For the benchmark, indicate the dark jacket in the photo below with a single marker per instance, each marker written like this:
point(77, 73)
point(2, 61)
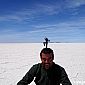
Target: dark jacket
point(56, 75)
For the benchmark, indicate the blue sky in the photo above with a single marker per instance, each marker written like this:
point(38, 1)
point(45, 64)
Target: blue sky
point(32, 20)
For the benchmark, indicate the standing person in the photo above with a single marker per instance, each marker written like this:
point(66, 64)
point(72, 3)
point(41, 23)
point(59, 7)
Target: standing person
point(46, 72)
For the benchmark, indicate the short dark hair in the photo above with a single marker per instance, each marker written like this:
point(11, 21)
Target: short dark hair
point(47, 51)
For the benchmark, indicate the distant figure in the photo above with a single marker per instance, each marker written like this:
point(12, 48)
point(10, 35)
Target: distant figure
point(46, 72)
point(46, 43)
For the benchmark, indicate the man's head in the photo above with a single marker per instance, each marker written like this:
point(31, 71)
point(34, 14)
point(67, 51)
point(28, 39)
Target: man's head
point(47, 57)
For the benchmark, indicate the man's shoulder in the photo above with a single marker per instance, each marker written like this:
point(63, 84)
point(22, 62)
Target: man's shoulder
point(59, 66)
point(36, 66)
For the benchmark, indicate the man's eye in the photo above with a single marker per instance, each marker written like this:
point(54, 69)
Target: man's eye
point(44, 59)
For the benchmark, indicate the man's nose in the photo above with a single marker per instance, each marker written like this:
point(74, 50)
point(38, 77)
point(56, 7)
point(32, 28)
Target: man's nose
point(47, 61)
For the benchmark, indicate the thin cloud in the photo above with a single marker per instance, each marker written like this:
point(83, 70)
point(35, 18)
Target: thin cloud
point(21, 15)
point(63, 27)
point(69, 26)
point(41, 9)
point(74, 3)
point(66, 31)
point(48, 9)
point(10, 18)
point(32, 13)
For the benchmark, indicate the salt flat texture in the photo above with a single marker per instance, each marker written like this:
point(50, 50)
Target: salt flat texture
point(17, 58)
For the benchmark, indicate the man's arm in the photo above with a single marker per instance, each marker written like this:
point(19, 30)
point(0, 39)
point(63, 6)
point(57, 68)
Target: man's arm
point(64, 78)
point(28, 78)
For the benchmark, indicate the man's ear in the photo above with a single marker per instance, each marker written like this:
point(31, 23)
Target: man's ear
point(40, 57)
point(53, 56)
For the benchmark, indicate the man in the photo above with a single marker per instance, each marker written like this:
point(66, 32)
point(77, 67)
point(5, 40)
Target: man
point(46, 72)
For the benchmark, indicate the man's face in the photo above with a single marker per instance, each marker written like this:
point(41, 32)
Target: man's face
point(47, 60)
